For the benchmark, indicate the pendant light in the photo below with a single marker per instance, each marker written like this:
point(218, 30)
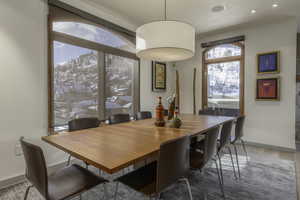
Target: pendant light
point(165, 40)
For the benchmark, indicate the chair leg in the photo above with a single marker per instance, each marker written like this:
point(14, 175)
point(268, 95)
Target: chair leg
point(244, 147)
point(237, 160)
point(105, 191)
point(27, 191)
point(220, 180)
point(69, 160)
point(205, 196)
point(221, 168)
point(188, 187)
point(232, 162)
point(80, 197)
point(116, 191)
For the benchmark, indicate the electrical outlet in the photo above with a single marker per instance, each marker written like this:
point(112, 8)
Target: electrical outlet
point(18, 150)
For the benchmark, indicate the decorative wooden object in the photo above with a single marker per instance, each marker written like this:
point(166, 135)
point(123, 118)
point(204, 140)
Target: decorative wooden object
point(160, 117)
point(114, 147)
point(194, 91)
point(177, 104)
point(171, 109)
point(297, 78)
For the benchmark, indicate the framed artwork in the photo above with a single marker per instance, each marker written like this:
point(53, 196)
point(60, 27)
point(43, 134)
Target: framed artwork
point(268, 89)
point(159, 76)
point(268, 63)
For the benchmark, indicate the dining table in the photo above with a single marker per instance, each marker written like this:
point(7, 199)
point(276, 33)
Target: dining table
point(112, 148)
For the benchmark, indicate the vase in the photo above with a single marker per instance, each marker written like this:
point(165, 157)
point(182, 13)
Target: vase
point(176, 123)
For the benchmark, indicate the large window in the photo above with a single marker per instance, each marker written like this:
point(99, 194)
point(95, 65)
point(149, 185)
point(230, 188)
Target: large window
point(223, 77)
point(119, 84)
point(93, 71)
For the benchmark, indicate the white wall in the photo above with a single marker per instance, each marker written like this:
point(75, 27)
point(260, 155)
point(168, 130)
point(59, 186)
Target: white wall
point(23, 79)
point(271, 123)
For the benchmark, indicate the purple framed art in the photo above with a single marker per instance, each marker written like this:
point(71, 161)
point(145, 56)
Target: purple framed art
point(268, 63)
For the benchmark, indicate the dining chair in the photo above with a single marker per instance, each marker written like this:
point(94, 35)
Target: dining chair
point(119, 118)
point(166, 112)
point(172, 166)
point(239, 133)
point(201, 155)
point(65, 183)
point(83, 123)
point(224, 143)
point(229, 112)
point(80, 124)
point(208, 111)
point(143, 115)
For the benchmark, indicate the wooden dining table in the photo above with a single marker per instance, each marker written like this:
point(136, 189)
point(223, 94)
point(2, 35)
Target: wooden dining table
point(112, 148)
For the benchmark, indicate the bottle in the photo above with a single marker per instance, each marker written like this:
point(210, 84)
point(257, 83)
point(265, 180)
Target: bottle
point(160, 121)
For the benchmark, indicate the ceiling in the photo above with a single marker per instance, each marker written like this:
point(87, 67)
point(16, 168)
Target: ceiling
point(198, 12)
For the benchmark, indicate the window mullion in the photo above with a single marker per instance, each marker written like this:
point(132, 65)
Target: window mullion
point(136, 87)
point(101, 85)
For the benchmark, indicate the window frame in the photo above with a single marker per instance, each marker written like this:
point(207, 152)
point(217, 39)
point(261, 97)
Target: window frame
point(101, 49)
point(206, 62)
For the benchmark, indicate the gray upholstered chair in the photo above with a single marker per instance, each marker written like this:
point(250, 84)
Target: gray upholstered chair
point(66, 183)
point(143, 115)
point(81, 124)
point(238, 137)
point(155, 177)
point(201, 155)
point(208, 111)
point(119, 118)
point(230, 112)
point(224, 143)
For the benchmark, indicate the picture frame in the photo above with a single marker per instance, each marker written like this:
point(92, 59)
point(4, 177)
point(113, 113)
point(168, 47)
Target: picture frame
point(268, 63)
point(268, 89)
point(159, 76)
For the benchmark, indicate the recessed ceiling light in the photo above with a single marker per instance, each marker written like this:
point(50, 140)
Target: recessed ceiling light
point(275, 5)
point(218, 8)
point(253, 11)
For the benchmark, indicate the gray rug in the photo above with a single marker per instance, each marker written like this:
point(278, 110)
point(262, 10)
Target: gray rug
point(263, 178)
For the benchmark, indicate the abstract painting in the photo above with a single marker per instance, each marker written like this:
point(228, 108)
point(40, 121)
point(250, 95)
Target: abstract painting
point(268, 89)
point(268, 63)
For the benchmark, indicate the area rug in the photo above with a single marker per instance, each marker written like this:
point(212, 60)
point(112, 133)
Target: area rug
point(262, 178)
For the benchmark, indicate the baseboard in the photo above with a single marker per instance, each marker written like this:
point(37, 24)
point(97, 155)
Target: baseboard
point(267, 146)
point(5, 183)
point(11, 181)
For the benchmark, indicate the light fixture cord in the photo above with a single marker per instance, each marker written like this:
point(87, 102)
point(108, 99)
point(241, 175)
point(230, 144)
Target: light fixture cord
point(165, 10)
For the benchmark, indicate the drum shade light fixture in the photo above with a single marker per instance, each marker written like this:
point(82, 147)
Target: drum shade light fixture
point(166, 40)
